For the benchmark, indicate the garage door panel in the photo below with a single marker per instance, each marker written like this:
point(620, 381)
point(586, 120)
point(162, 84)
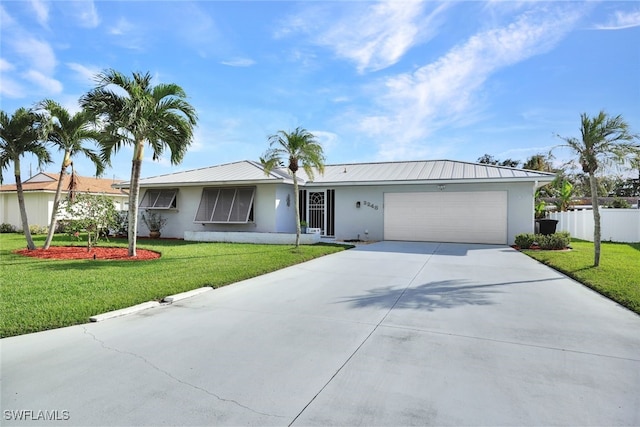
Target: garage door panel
point(463, 217)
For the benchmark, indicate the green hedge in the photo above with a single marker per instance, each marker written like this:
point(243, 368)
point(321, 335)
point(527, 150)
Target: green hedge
point(559, 240)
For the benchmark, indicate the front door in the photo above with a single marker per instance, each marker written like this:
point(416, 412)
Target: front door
point(319, 210)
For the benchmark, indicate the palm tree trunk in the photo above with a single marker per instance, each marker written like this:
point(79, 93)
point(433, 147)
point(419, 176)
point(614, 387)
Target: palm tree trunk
point(134, 191)
point(56, 202)
point(296, 204)
point(596, 219)
point(23, 209)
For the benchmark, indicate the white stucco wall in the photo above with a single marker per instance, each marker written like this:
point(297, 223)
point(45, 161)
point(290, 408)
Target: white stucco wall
point(367, 222)
point(271, 213)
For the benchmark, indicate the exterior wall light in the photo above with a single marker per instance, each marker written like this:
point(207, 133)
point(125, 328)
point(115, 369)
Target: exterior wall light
point(441, 187)
point(358, 204)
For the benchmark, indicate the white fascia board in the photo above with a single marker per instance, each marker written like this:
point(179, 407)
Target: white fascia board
point(542, 180)
point(209, 183)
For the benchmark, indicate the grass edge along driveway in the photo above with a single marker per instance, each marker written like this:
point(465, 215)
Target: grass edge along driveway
point(617, 277)
point(38, 294)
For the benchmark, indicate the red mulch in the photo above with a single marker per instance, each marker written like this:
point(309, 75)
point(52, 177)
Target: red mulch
point(80, 252)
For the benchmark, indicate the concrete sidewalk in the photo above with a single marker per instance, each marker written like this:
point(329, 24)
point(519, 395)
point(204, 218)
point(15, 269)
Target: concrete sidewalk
point(390, 333)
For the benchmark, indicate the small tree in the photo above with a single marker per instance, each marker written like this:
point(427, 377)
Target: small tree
point(19, 136)
point(299, 149)
point(93, 214)
point(604, 140)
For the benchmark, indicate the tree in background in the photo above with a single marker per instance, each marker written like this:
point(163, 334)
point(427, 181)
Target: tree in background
point(490, 160)
point(539, 162)
point(604, 140)
point(132, 111)
point(300, 149)
point(19, 136)
point(69, 134)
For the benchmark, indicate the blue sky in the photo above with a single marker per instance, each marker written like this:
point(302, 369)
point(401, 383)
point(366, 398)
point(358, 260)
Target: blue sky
point(374, 81)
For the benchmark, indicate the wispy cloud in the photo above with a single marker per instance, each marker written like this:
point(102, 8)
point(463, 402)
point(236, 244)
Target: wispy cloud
point(121, 28)
point(85, 74)
point(85, 13)
point(48, 84)
point(6, 65)
point(239, 62)
point(446, 91)
point(39, 53)
point(10, 88)
point(621, 20)
point(374, 36)
point(41, 9)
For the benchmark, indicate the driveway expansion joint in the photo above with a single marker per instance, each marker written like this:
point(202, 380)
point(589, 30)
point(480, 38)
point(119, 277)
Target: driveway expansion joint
point(523, 344)
point(174, 378)
point(375, 328)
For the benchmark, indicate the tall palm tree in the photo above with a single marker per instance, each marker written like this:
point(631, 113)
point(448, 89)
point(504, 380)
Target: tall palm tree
point(19, 136)
point(301, 149)
point(132, 111)
point(605, 140)
point(69, 134)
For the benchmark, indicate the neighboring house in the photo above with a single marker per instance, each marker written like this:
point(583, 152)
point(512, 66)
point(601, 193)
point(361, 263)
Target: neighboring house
point(39, 191)
point(439, 200)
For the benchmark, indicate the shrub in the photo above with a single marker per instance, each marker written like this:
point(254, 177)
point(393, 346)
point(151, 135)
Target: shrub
point(619, 203)
point(525, 240)
point(7, 228)
point(38, 229)
point(559, 240)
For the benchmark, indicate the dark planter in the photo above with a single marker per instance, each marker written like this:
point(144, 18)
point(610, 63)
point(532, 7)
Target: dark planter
point(547, 226)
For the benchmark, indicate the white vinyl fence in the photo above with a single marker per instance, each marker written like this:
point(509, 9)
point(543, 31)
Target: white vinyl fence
point(616, 225)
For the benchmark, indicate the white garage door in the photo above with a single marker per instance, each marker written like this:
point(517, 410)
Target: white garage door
point(464, 217)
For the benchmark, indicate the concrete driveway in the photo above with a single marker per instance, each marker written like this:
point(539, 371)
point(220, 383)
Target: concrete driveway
point(390, 333)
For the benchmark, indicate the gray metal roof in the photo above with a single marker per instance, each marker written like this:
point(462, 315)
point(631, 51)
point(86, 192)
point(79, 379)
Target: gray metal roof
point(427, 170)
point(245, 171)
point(249, 172)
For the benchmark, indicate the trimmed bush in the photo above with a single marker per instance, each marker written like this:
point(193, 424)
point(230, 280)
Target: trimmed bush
point(7, 228)
point(559, 240)
point(525, 240)
point(38, 229)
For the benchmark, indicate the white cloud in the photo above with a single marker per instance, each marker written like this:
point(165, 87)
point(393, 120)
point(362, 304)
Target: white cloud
point(85, 12)
point(39, 54)
point(122, 27)
point(11, 88)
point(372, 35)
point(446, 91)
point(41, 9)
point(85, 74)
point(239, 62)
point(49, 84)
point(6, 65)
point(621, 20)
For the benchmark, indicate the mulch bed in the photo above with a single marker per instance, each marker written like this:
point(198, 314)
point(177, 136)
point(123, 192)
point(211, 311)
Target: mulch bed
point(80, 252)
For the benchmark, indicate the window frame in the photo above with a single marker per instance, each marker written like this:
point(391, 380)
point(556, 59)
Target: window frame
point(223, 207)
point(173, 203)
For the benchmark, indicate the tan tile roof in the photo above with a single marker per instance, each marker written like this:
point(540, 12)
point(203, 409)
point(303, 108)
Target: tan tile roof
point(86, 184)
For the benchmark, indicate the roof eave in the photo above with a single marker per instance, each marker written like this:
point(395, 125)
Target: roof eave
point(207, 183)
point(540, 179)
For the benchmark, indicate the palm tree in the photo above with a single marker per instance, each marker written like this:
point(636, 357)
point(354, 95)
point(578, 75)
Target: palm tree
point(19, 136)
point(68, 133)
point(605, 140)
point(299, 148)
point(134, 112)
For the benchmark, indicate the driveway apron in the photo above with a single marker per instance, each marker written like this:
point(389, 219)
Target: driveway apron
point(390, 333)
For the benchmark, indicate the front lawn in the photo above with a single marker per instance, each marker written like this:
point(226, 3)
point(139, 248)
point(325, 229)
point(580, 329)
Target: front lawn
point(617, 277)
point(39, 294)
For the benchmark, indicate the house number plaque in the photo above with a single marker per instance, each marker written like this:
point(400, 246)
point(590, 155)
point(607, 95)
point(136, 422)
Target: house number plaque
point(371, 205)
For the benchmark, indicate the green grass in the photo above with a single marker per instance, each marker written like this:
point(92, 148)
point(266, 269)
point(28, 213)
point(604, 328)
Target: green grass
point(39, 294)
point(617, 276)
